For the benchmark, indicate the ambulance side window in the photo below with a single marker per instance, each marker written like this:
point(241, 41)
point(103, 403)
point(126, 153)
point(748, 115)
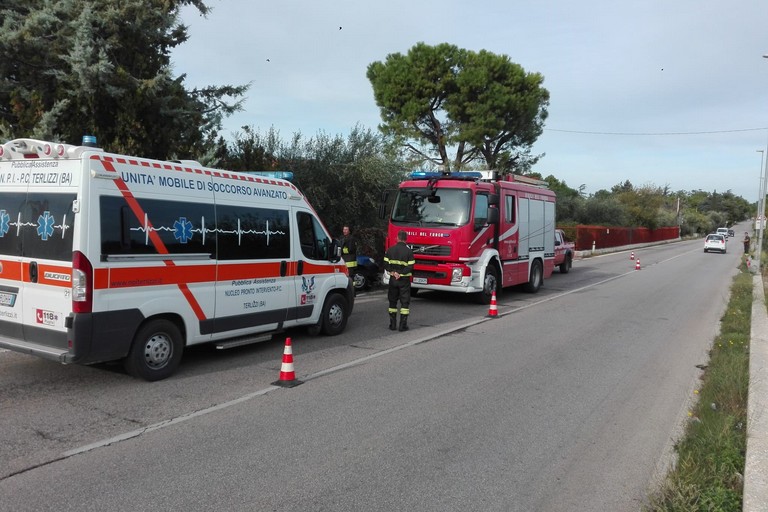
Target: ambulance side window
point(314, 242)
point(182, 228)
point(46, 226)
point(11, 204)
point(252, 233)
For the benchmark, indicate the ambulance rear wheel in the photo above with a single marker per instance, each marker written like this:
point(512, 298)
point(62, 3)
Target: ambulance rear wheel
point(156, 351)
point(335, 315)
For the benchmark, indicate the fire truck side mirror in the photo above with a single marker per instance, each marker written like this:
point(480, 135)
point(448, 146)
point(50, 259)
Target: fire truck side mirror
point(493, 215)
point(493, 200)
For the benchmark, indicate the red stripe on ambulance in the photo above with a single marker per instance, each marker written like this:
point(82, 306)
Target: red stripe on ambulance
point(137, 210)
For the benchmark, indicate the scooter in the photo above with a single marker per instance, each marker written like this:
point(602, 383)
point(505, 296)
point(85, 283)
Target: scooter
point(366, 274)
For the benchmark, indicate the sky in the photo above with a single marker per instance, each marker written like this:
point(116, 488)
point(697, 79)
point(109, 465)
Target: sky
point(661, 93)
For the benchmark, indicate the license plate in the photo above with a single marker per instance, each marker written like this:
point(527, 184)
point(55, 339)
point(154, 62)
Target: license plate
point(7, 299)
point(419, 280)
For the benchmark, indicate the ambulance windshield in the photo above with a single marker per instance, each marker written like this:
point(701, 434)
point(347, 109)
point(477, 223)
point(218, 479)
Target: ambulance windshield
point(437, 207)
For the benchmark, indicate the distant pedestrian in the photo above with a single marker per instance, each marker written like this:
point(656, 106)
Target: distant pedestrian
point(747, 241)
point(399, 262)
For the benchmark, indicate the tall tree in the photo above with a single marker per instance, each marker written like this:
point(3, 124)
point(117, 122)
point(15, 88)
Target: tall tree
point(499, 110)
point(411, 91)
point(482, 105)
point(76, 67)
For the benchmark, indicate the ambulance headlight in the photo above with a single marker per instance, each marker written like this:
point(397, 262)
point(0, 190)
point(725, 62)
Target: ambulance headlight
point(456, 275)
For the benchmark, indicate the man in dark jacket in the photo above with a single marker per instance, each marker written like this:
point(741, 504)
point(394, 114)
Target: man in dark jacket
point(348, 249)
point(399, 262)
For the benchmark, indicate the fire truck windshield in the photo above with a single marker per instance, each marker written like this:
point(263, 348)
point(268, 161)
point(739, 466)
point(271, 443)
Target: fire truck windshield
point(437, 207)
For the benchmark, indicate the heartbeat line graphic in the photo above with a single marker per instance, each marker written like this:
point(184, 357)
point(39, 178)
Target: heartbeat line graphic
point(183, 231)
point(45, 225)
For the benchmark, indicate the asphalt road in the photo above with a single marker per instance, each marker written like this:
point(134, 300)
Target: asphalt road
point(569, 401)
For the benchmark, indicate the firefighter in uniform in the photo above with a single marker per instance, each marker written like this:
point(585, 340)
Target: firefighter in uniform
point(399, 262)
point(349, 250)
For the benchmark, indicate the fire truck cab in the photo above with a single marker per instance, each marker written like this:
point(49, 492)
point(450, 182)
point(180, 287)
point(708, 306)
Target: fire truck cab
point(473, 233)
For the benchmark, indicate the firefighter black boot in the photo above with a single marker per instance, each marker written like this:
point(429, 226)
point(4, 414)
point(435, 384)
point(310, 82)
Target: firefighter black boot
point(393, 321)
point(403, 323)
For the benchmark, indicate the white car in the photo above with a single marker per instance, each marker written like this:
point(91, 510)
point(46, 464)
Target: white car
point(715, 242)
point(723, 231)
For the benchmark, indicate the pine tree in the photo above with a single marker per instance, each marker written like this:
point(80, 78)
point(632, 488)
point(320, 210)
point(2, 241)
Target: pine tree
point(103, 67)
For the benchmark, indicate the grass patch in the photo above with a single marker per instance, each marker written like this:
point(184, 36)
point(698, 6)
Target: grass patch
point(708, 475)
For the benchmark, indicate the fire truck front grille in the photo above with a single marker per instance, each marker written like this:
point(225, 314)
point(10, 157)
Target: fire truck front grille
point(429, 274)
point(431, 250)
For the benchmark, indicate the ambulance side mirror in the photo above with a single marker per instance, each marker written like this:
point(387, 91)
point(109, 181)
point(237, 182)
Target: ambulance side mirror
point(335, 253)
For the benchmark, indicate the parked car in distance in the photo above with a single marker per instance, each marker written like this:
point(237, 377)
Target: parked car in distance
point(564, 251)
point(723, 231)
point(715, 242)
point(731, 233)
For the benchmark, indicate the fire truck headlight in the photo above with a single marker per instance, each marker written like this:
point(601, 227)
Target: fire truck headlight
point(456, 275)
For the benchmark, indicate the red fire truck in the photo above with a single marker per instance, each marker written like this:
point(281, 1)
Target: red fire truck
point(473, 233)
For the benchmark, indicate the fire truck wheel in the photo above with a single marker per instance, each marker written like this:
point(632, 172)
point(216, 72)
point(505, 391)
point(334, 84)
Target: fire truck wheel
point(537, 277)
point(156, 351)
point(490, 283)
point(335, 315)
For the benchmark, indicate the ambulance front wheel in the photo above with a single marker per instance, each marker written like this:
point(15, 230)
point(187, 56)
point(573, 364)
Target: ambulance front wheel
point(156, 351)
point(335, 315)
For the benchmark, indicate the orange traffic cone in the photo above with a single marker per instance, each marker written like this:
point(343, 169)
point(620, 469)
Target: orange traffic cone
point(632, 255)
point(493, 312)
point(287, 375)
point(637, 264)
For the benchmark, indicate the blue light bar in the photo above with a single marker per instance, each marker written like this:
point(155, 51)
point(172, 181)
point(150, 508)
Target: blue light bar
point(423, 175)
point(280, 175)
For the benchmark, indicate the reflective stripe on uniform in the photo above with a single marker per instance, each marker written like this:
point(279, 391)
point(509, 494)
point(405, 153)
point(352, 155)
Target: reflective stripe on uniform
point(398, 262)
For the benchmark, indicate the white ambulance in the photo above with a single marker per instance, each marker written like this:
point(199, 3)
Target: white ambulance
point(106, 257)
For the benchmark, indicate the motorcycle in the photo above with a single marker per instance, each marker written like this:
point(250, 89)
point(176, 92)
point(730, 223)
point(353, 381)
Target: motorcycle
point(366, 274)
